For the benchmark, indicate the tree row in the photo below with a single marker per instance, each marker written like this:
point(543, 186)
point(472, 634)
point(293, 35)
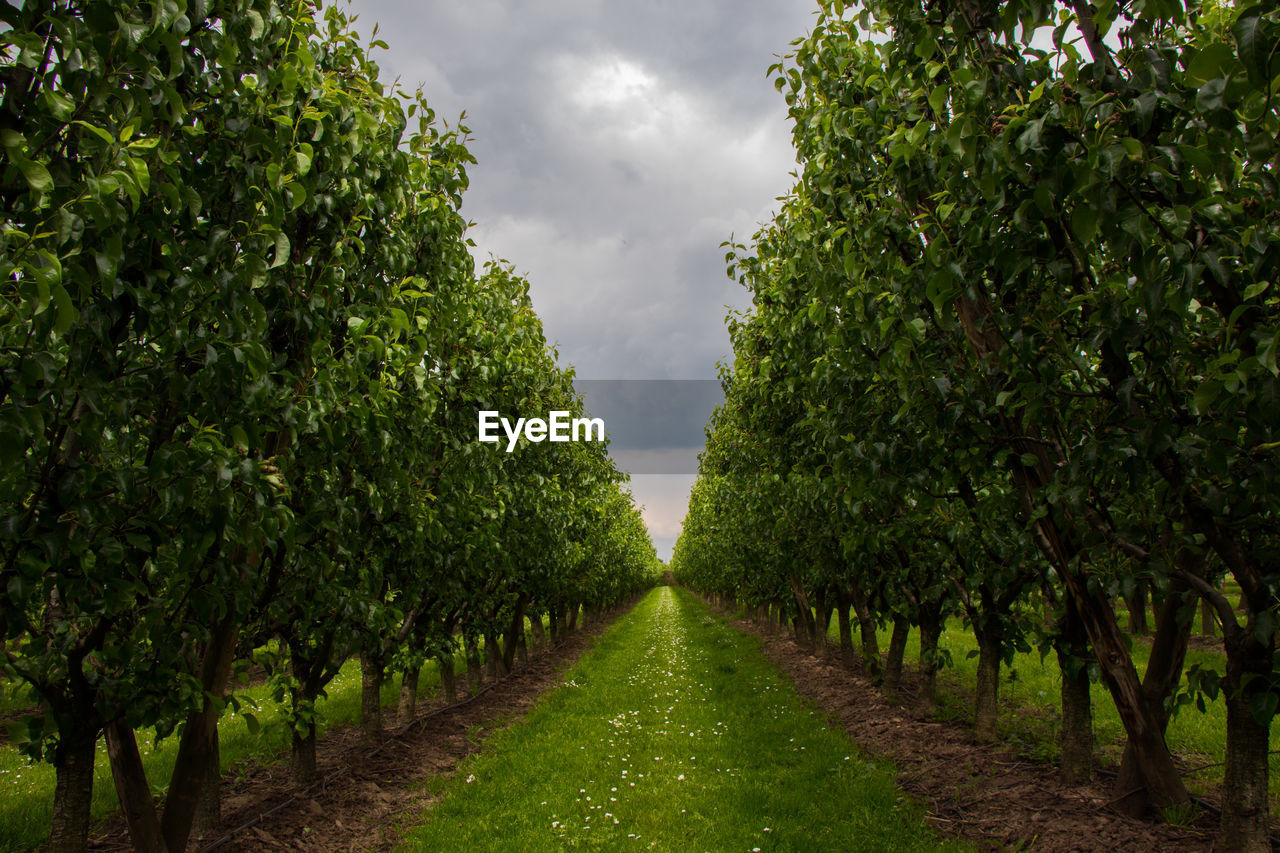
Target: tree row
point(1013, 356)
point(243, 346)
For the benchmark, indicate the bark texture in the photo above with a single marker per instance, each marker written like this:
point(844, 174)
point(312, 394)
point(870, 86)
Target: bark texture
point(1076, 740)
point(986, 706)
point(370, 697)
point(897, 649)
point(73, 790)
point(132, 789)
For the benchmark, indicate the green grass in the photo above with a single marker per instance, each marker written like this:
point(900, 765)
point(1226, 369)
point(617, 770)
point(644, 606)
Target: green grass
point(1031, 705)
point(673, 733)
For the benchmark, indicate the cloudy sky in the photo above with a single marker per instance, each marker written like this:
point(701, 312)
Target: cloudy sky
point(619, 144)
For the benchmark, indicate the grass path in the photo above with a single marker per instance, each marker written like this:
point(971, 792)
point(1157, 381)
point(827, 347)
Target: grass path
point(673, 733)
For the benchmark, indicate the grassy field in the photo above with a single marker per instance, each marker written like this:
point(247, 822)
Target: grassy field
point(673, 733)
point(1031, 705)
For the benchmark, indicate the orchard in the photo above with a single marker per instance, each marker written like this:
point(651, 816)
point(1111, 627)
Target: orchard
point(1008, 384)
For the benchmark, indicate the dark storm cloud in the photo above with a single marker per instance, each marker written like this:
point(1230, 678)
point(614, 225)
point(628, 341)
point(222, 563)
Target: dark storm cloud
point(619, 144)
point(655, 426)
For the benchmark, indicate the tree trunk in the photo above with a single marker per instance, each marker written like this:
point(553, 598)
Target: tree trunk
point(1141, 720)
point(475, 671)
point(930, 632)
point(1076, 741)
point(370, 697)
point(897, 649)
point(986, 706)
point(133, 790)
point(867, 626)
point(822, 624)
point(1208, 622)
point(515, 636)
point(805, 629)
point(538, 631)
point(73, 790)
point(1137, 604)
point(410, 679)
point(199, 744)
point(302, 756)
point(448, 680)
point(557, 624)
point(493, 656)
point(846, 631)
point(1245, 815)
point(571, 621)
point(208, 816)
point(1164, 673)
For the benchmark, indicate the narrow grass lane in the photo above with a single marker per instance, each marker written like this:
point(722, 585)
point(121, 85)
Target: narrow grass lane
point(675, 734)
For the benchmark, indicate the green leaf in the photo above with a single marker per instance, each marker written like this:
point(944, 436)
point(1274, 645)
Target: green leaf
point(59, 105)
point(1210, 96)
point(1133, 147)
point(1268, 355)
point(1255, 289)
point(1197, 157)
point(938, 99)
point(1252, 45)
point(1216, 60)
point(38, 177)
point(1205, 395)
point(96, 131)
point(66, 313)
point(302, 157)
point(1084, 223)
point(140, 173)
point(281, 251)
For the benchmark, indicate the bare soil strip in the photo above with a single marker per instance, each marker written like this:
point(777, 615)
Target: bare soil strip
point(983, 793)
point(370, 799)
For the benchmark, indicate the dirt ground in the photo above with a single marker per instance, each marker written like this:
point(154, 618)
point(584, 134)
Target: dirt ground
point(983, 793)
point(367, 799)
